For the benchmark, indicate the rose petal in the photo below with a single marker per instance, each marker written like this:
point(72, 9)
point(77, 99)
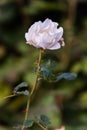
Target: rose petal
point(54, 46)
point(59, 33)
point(27, 37)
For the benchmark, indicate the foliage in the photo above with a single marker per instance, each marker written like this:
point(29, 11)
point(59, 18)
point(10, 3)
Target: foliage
point(21, 85)
point(41, 120)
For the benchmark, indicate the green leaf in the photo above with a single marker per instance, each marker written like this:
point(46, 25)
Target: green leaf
point(44, 120)
point(45, 73)
point(21, 85)
point(67, 76)
point(26, 92)
point(50, 64)
point(29, 123)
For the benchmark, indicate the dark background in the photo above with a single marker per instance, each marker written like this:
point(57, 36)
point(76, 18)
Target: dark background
point(64, 102)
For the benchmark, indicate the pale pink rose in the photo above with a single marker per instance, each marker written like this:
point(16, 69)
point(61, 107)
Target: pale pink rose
point(62, 128)
point(45, 35)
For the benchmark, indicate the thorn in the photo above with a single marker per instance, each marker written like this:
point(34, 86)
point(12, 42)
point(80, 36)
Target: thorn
point(24, 110)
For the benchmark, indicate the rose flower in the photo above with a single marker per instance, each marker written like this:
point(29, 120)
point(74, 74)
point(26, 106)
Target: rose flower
point(45, 35)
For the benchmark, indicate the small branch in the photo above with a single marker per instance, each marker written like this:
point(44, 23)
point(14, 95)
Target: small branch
point(10, 96)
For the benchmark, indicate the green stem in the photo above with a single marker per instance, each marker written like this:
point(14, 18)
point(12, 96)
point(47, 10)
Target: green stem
point(26, 114)
point(33, 89)
point(27, 108)
point(44, 128)
point(38, 71)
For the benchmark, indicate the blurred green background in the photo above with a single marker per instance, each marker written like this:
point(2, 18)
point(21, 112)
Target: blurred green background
point(64, 102)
